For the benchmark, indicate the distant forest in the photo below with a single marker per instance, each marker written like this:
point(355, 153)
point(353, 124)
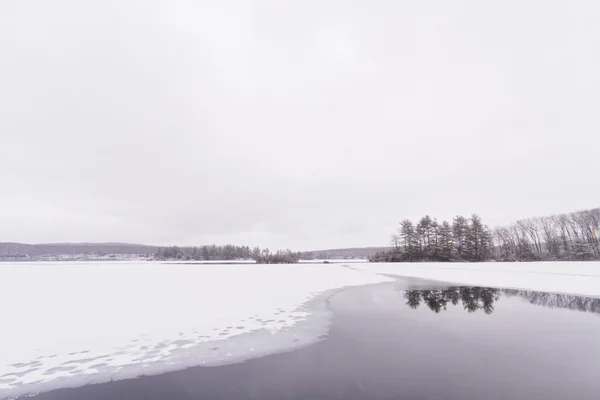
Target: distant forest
point(565, 237)
point(230, 252)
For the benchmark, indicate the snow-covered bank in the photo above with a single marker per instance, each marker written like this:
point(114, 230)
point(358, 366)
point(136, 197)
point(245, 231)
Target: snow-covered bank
point(579, 278)
point(67, 325)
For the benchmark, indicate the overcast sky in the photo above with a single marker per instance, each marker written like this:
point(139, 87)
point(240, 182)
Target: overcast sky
point(301, 124)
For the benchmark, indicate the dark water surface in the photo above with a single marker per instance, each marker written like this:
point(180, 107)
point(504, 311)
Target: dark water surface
point(410, 340)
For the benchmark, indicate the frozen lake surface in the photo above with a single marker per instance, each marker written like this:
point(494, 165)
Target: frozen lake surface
point(410, 340)
point(67, 325)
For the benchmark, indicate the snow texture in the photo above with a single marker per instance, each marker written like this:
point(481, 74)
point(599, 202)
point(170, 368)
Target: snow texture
point(69, 324)
point(76, 323)
point(577, 278)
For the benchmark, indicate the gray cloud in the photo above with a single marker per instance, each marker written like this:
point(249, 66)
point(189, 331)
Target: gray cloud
point(291, 124)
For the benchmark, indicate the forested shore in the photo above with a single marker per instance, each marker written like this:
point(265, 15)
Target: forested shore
point(230, 252)
point(565, 237)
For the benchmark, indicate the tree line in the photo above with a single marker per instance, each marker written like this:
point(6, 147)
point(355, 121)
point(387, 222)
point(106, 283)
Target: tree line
point(564, 237)
point(465, 239)
point(229, 252)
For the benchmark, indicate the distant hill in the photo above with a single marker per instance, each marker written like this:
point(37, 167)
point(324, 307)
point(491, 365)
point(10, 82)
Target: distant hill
point(46, 249)
point(10, 250)
point(356, 252)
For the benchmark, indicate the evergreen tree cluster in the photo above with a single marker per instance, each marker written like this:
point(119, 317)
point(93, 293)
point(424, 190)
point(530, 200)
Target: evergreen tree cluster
point(229, 252)
point(465, 239)
point(565, 237)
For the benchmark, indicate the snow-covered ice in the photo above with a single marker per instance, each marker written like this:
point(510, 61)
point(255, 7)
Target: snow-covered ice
point(578, 278)
point(68, 324)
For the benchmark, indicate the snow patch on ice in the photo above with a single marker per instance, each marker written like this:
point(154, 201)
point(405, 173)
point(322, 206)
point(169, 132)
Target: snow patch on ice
point(577, 278)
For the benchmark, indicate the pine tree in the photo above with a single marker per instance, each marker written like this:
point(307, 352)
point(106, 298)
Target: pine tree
point(435, 238)
point(469, 247)
point(409, 239)
point(486, 244)
point(475, 238)
point(445, 242)
point(426, 234)
point(460, 226)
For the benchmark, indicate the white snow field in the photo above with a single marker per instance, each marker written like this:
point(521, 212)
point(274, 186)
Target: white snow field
point(69, 324)
point(75, 323)
point(578, 278)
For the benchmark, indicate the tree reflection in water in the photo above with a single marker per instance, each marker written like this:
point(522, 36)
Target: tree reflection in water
point(475, 298)
point(555, 300)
